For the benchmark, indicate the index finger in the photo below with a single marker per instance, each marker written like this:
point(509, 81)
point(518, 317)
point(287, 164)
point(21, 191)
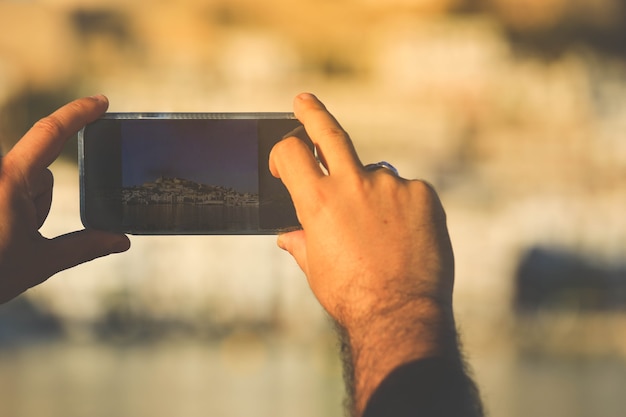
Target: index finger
point(43, 143)
point(333, 144)
point(292, 161)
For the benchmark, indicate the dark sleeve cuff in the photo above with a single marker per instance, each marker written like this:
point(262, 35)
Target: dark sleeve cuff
point(431, 387)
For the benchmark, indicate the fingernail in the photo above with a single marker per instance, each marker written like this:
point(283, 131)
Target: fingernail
point(307, 96)
point(100, 97)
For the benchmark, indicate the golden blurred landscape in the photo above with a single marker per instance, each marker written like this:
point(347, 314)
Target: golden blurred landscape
point(515, 110)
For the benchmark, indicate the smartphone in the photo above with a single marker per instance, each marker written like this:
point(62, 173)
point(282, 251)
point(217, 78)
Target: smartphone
point(185, 173)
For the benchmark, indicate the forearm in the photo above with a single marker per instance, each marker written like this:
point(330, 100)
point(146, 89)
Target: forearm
point(375, 351)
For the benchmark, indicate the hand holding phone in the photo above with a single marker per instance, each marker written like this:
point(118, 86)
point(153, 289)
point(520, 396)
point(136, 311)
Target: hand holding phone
point(184, 173)
point(376, 252)
point(26, 257)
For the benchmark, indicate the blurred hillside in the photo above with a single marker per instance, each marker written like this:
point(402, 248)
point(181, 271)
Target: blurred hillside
point(514, 109)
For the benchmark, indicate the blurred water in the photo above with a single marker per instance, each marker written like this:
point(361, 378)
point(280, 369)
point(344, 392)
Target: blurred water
point(552, 386)
point(254, 374)
point(246, 374)
point(569, 387)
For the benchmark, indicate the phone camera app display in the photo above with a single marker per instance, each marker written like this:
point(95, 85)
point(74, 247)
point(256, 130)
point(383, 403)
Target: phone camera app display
point(196, 175)
point(180, 176)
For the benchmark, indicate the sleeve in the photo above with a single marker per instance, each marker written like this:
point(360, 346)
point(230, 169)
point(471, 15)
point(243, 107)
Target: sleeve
point(432, 387)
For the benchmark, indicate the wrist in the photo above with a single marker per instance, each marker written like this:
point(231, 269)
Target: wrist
point(423, 326)
point(393, 336)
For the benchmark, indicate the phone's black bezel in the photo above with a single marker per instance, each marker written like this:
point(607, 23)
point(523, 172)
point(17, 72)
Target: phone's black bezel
point(99, 159)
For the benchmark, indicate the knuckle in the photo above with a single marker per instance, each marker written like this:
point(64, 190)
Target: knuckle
point(11, 168)
point(423, 188)
point(334, 132)
point(387, 177)
point(288, 147)
point(286, 143)
point(427, 195)
point(50, 126)
point(283, 148)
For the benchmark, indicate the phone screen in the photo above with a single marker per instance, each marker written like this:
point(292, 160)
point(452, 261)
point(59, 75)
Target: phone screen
point(184, 174)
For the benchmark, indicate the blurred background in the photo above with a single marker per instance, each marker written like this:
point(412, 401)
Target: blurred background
point(514, 109)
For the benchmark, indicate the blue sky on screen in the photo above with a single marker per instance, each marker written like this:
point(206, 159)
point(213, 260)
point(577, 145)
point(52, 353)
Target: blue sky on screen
point(213, 152)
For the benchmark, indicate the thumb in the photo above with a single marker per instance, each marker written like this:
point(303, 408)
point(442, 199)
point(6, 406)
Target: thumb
point(75, 248)
point(295, 243)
